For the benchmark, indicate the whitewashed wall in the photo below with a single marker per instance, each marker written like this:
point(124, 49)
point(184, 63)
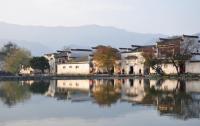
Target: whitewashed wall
point(167, 68)
point(73, 68)
point(26, 71)
point(192, 67)
point(138, 64)
point(52, 62)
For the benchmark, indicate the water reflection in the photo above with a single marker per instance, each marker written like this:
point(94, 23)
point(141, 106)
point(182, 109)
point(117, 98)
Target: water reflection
point(175, 98)
point(105, 92)
point(12, 93)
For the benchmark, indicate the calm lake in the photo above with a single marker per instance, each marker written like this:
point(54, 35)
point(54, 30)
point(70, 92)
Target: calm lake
point(124, 102)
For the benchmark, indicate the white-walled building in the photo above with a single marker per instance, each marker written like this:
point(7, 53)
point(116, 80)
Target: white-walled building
point(184, 44)
point(132, 60)
point(52, 62)
point(82, 68)
point(132, 63)
point(26, 71)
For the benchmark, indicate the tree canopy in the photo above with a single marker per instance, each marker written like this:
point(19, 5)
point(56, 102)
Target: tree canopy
point(40, 63)
point(15, 59)
point(106, 57)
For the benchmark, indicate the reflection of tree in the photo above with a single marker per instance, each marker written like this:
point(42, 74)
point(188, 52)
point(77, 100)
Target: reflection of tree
point(12, 93)
point(105, 94)
point(39, 87)
point(176, 103)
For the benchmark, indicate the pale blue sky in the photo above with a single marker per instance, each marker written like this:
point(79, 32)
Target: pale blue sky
point(145, 16)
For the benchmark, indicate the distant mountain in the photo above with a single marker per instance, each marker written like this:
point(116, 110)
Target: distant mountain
point(40, 39)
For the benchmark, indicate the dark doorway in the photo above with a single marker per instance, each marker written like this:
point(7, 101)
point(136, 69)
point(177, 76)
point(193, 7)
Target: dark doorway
point(131, 70)
point(123, 71)
point(140, 71)
point(182, 68)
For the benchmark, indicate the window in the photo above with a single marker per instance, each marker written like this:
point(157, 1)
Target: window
point(77, 67)
point(64, 67)
point(70, 66)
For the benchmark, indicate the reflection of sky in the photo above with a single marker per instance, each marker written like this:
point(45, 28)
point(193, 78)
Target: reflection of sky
point(41, 107)
point(140, 118)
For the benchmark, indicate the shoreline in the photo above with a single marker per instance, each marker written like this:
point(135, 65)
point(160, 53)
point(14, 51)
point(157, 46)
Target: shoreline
point(99, 76)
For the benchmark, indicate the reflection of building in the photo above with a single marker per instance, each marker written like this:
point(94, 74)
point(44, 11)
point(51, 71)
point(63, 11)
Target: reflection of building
point(134, 90)
point(27, 82)
point(164, 85)
point(177, 98)
point(52, 89)
point(75, 90)
point(83, 85)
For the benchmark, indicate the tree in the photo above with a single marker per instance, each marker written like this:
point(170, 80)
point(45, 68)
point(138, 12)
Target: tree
point(8, 48)
point(105, 57)
point(179, 58)
point(15, 59)
point(40, 63)
point(152, 61)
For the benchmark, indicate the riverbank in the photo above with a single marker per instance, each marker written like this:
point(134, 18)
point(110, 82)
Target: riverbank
point(100, 76)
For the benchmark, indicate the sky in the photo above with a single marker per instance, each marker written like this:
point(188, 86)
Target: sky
point(145, 16)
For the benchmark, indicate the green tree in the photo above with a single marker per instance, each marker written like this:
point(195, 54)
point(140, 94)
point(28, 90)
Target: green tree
point(105, 57)
point(39, 87)
point(15, 59)
point(40, 63)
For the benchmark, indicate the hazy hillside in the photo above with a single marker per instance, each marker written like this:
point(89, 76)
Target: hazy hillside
point(41, 39)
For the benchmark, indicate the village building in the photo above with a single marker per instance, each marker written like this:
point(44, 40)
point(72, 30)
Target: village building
point(73, 68)
point(62, 57)
point(26, 71)
point(132, 60)
point(77, 61)
point(182, 45)
point(51, 57)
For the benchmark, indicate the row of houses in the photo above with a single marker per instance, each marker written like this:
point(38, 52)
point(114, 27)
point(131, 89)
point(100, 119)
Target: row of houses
point(80, 61)
point(132, 61)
